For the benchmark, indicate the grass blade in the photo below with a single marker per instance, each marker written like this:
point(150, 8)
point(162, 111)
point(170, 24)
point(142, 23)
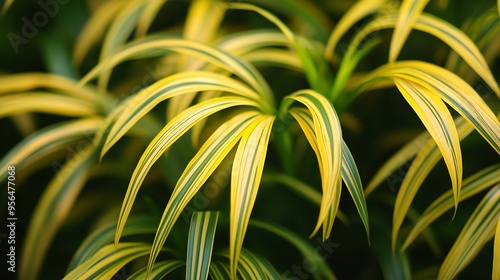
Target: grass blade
point(478, 230)
point(196, 173)
point(245, 180)
point(220, 270)
point(200, 244)
point(409, 11)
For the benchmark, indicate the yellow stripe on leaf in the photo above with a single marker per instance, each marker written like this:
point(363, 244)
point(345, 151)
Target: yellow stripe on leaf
point(245, 180)
point(196, 173)
point(200, 244)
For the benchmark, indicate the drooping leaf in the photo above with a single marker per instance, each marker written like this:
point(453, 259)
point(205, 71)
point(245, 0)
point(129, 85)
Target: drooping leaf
point(159, 272)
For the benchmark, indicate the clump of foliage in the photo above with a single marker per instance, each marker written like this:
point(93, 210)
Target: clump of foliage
point(185, 111)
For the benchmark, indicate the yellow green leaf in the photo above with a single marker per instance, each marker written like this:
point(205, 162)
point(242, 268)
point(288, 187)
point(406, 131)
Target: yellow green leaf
point(220, 270)
point(496, 253)
point(408, 14)
point(47, 141)
point(108, 261)
point(52, 210)
point(42, 102)
point(6, 6)
point(181, 83)
point(478, 230)
point(245, 180)
point(194, 176)
point(328, 135)
point(471, 186)
point(200, 244)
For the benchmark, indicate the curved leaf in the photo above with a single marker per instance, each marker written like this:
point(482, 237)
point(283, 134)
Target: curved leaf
point(407, 16)
point(182, 83)
point(196, 173)
point(245, 180)
point(496, 254)
point(358, 11)
point(329, 151)
point(220, 270)
point(52, 209)
point(200, 244)
point(159, 272)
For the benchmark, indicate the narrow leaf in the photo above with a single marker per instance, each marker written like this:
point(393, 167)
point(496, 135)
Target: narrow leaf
point(159, 272)
point(496, 254)
point(200, 244)
point(471, 186)
point(245, 180)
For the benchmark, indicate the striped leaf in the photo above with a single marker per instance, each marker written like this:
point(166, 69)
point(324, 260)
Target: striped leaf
point(108, 261)
point(52, 209)
point(496, 253)
point(220, 270)
point(48, 141)
point(167, 136)
point(159, 272)
point(245, 180)
point(29, 81)
point(94, 28)
point(160, 47)
point(329, 149)
point(314, 65)
point(42, 102)
point(438, 121)
point(358, 11)
point(104, 235)
point(472, 185)
point(407, 16)
point(200, 244)
point(252, 266)
point(177, 84)
point(478, 230)
point(308, 252)
point(194, 176)
point(148, 15)
point(349, 171)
